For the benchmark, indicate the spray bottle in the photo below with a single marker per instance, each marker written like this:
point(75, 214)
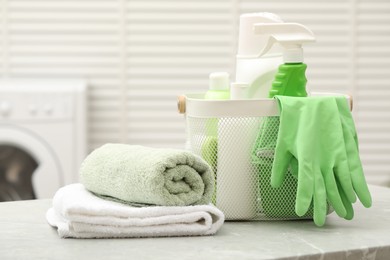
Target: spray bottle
point(290, 80)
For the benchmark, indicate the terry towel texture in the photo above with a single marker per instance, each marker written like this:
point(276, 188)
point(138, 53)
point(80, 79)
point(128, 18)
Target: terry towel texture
point(78, 213)
point(141, 176)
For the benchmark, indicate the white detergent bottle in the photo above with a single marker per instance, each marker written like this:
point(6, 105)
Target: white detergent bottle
point(236, 176)
point(258, 72)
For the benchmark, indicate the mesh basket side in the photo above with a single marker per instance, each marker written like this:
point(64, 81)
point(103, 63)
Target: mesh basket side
point(240, 152)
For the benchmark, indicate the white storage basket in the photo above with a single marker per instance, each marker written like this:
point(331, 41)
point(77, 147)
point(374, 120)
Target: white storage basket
point(227, 134)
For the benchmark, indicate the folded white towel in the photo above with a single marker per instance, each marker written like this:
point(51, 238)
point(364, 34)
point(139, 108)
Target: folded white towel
point(78, 213)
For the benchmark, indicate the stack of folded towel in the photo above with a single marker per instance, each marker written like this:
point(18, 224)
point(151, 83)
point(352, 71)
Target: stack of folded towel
point(136, 191)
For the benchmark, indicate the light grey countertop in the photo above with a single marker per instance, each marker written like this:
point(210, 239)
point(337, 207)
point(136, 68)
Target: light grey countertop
point(24, 234)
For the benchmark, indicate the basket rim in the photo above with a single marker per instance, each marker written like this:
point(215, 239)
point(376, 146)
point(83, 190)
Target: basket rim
point(197, 106)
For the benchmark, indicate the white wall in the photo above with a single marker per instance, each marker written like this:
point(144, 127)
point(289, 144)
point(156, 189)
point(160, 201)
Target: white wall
point(139, 55)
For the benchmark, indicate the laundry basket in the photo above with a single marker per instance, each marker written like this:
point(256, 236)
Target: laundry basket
point(237, 138)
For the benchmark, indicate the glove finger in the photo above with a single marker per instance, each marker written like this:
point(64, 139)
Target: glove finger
point(347, 204)
point(319, 200)
point(352, 148)
point(357, 175)
point(305, 188)
point(343, 174)
point(280, 164)
point(360, 185)
point(333, 194)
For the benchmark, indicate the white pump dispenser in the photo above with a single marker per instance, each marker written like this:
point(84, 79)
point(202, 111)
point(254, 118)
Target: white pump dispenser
point(290, 35)
point(258, 71)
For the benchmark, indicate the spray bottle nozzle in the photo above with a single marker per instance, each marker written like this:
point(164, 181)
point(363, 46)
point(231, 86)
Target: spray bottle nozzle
point(290, 35)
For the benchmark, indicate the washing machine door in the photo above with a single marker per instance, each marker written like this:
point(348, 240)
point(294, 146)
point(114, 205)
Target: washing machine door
point(47, 178)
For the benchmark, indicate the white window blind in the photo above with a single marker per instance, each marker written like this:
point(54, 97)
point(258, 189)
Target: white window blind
point(372, 80)
point(171, 47)
point(137, 56)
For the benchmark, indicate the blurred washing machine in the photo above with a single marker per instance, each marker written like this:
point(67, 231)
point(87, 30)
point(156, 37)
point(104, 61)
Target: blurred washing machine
point(42, 136)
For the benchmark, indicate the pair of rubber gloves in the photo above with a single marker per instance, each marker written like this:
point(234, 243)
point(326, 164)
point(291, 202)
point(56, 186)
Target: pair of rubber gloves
point(317, 138)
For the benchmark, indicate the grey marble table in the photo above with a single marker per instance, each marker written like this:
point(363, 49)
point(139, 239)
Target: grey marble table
point(24, 234)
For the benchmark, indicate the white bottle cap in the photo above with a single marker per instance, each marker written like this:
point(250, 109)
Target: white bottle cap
point(251, 44)
point(219, 81)
point(239, 90)
point(293, 55)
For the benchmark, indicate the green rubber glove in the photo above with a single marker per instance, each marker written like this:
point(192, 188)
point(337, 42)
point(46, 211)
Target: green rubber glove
point(310, 132)
point(355, 167)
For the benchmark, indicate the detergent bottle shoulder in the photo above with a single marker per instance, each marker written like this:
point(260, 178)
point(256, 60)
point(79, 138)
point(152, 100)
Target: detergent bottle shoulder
point(217, 95)
point(218, 86)
point(290, 80)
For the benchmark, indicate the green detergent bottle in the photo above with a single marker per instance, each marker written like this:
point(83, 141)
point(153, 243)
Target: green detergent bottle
point(218, 90)
point(290, 80)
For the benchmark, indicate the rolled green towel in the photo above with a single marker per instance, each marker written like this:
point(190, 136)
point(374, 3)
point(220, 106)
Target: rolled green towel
point(141, 176)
